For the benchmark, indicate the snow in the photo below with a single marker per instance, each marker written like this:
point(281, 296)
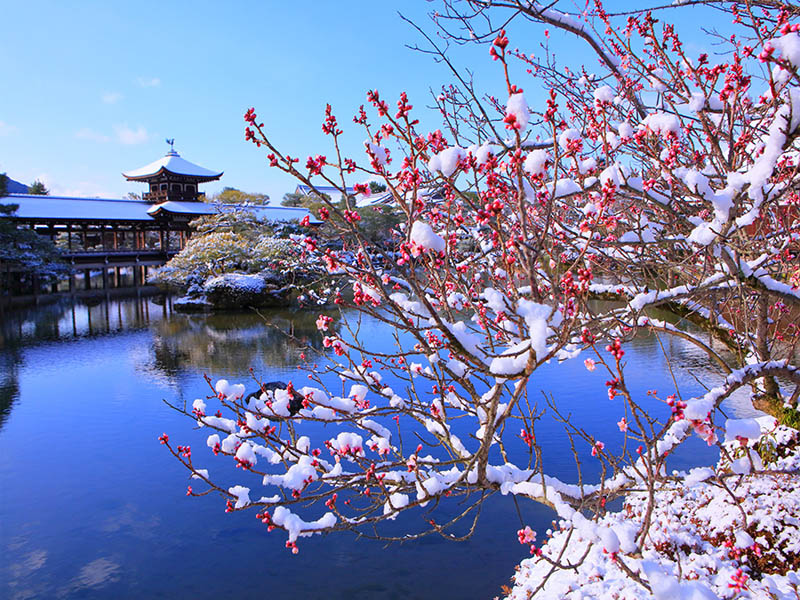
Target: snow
point(789, 48)
point(423, 238)
point(563, 187)
point(697, 102)
point(661, 123)
point(603, 94)
point(482, 152)
point(567, 136)
point(743, 539)
point(625, 130)
point(745, 428)
point(518, 107)
point(380, 153)
point(697, 410)
point(297, 527)
point(616, 174)
point(67, 207)
point(535, 162)
point(239, 281)
point(394, 503)
point(242, 495)
point(446, 161)
point(118, 209)
point(512, 361)
point(296, 476)
point(173, 163)
point(687, 553)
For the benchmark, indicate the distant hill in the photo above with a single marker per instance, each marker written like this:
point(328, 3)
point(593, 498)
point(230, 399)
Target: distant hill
point(15, 187)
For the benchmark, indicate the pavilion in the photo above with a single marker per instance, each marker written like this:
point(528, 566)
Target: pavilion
point(120, 235)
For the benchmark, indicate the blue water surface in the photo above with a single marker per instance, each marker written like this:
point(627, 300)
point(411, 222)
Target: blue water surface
point(91, 506)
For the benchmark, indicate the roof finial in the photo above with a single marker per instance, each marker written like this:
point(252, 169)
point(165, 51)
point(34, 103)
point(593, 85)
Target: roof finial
point(171, 142)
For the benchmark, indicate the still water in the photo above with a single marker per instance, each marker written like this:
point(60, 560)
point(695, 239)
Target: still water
point(91, 506)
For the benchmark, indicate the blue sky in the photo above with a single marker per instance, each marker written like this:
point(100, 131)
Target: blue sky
point(93, 88)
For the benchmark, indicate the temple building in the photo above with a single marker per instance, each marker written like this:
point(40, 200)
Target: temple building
point(122, 237)
point(172, 179)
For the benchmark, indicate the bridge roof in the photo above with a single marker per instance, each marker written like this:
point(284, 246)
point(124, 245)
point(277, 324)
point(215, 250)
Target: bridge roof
point(65, 208)
point(68, 208)
point(173, 163)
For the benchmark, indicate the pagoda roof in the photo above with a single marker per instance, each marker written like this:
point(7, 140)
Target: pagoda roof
point(172, 163)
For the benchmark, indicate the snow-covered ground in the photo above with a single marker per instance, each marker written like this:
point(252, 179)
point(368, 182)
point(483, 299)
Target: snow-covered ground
point(712, 534)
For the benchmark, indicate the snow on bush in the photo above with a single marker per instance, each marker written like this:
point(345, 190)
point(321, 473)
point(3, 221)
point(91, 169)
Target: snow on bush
point(721, 537)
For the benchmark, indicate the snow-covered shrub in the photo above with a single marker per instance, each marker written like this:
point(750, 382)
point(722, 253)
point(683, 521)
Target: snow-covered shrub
point(658, 179)
point(238, 242)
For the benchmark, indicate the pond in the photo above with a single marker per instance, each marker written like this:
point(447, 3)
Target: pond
point(91, 506)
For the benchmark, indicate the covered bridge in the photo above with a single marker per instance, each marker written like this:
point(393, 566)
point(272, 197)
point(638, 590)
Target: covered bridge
point(122, 237)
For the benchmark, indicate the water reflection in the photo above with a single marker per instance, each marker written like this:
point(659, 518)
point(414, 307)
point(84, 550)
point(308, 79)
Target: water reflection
point(231, 343)
point(9, 382)
point(81, 391)
point(65, 319)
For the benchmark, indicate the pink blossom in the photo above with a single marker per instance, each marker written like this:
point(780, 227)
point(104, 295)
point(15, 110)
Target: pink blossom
point(526, 536)
point(623, 424)
point(590, 364)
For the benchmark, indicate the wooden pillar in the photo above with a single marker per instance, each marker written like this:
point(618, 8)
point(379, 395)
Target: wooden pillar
point(115, 233)
point(136, 276)
point(87, 279)
point(69, 239)
point(117, 277)
point(161, 240)
point(71, 281)
point(105, 276)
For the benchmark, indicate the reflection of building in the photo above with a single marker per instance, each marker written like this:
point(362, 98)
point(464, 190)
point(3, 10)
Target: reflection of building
point(121, 238)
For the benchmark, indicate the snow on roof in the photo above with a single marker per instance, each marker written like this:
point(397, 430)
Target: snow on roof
point(265, 212)
point(328, 190)
point(118, 209)
point(173, 163)
point(379, 199)
point(280, 213)
point(65, 207)
point(184, 208)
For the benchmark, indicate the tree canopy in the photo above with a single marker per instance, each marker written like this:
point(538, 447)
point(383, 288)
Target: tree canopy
point(25, 249)
point(230, 195)
point(38, 188)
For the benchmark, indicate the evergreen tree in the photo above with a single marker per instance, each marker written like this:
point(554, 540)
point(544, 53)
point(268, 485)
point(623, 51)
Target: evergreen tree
point(38, 188)
point(25, 248)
